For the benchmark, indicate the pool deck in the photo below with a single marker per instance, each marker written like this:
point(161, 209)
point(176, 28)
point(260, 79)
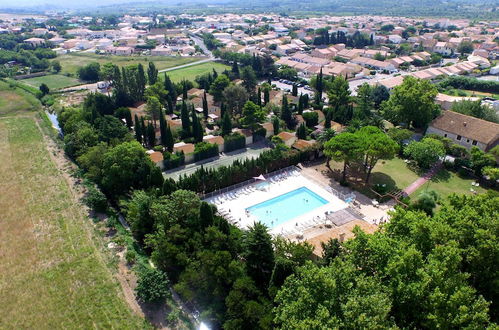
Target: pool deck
point(235, 208)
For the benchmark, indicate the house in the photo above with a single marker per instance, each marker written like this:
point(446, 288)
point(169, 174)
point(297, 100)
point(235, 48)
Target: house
point(466, 130)
point(218, 140)
point(288, 138)
point(187, 149)
point(156, 157)
point(443, 48)
point(161, 51)
point(123, 51)
point(269, 129)
point(302, 145)
point(35, 41)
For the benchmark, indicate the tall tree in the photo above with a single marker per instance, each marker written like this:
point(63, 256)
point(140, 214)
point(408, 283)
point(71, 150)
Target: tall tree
point(197, 128)
point(235, 70)
point(249, 79)
point(339, 94)
point(344, 147)
point(286, 113)
point(141, 82)
point(259, 254)
point(226, 124)
point(162, 128)
point(301, 132)
point(152, 73)
point(184, 116)
point(218, 86)
point(151, 135)
point(205, 106)
point(319, 86)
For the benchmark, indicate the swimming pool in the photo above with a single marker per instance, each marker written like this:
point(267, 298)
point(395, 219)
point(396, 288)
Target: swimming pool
point(280, 209)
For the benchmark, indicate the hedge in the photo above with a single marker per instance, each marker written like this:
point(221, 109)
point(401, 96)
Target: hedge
point(203, 150)
point(173, 160)
point(470, 83)
point(234, 141)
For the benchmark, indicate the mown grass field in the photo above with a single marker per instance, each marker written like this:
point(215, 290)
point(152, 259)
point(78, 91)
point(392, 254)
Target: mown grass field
point(53, 273)
point(71, 62)
point(53, 81)
point(191, 72)
point(15, 100)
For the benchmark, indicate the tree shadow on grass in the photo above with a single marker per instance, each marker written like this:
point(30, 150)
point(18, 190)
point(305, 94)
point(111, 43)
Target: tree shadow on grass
point(383, 178)
point(443, 175)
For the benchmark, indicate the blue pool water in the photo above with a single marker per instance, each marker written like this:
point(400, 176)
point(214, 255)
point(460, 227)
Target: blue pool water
point(285, 207)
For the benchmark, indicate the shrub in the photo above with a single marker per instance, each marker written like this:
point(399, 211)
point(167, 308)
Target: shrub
point(158, 148)
point(311, 118)
point(152, 285)
point(234, 141)
point(95, 199)
point(130, 257)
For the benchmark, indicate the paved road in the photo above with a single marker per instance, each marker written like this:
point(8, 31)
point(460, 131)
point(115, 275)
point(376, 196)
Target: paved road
point(252, 151)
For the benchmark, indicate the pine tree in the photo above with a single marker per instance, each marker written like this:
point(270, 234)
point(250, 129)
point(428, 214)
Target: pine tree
point(226, 124)
point(184, 116)
point(138, 129)
point(205, 106)
point(152, 73)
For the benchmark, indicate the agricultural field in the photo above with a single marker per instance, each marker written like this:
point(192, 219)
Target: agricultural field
point(54, 272)
point(14, 100)
point(71, 62)
point(53, 81)
point(191, 72)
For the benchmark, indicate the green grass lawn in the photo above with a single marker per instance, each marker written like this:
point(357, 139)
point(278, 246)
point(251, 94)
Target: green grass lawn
point(54, 271)
point(54, 81)
point(15, 100)
point(191, 72)
point(71, 62)
point(465, 92)
point(394, 173)
point(446, 182)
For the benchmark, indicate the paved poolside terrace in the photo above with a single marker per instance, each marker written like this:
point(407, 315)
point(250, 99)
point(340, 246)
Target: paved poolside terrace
point(233, 203)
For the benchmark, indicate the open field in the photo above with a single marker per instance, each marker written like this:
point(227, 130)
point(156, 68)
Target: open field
point(53, 273)
point(71, 62)
point(191, 72)
point(53, 81)
point(15, 100)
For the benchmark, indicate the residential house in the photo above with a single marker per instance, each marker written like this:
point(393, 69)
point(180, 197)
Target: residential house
point(466, 130)
point(218, 140)
point(288, 138)
point(187, 149)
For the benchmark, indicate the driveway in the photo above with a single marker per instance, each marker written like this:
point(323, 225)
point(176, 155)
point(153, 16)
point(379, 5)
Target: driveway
point(252, 151)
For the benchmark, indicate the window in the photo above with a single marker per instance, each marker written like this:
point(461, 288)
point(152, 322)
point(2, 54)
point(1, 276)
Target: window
point(459, 137)
point(445, 135)
point(474, 142)
point(468, 141)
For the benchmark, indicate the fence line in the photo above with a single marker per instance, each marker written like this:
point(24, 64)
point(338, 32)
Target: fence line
point(248, 182)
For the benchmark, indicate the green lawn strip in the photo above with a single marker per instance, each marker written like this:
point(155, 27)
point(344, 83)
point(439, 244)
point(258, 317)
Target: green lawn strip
point(191, 72)
point(446, 183)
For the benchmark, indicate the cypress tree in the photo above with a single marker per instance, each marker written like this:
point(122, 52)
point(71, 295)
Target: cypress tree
point(168, 139)
point(286, 114)
point(172, 92)
point(301, 132)
point(276, 124)
point(197, 128)
point(141, 82)
point(318, 87)
point(215, 74)
point(295, 90)
point(235, 70)
point(226, 124)
point(300, 104)
point(305, 101)
point(143, 129)
point(266, 96)
point(184, 116)
point(184, 90)
point(152, 73)
point(205, 106)
point(327, 122)
point(128, 118)
point(137, 128)
point(162, 127)
point(259, 97)
point(151, 135)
